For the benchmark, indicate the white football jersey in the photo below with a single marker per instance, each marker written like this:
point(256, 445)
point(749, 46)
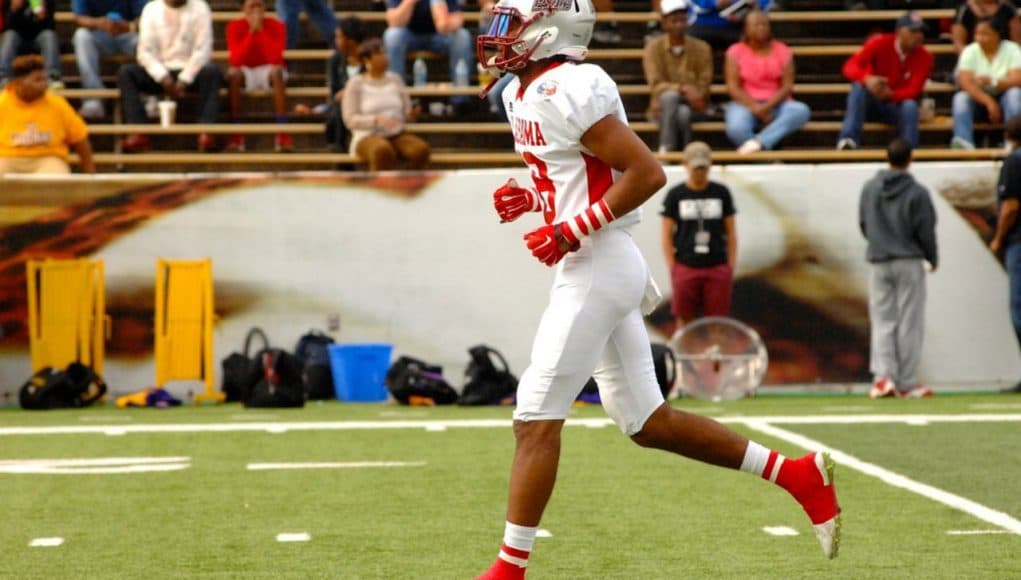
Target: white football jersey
point(548, 120)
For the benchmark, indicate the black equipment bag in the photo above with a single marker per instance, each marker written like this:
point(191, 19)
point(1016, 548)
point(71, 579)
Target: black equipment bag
point(76, 386)
point(240, 370)
point(412, 381)
point(313, 354)
point(279, 383)
point(485, 382)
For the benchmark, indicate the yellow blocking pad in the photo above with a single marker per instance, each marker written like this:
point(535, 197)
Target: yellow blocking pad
point(184, 324)
point(66, 313)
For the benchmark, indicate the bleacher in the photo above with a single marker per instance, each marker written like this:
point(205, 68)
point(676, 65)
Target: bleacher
point(821, 41)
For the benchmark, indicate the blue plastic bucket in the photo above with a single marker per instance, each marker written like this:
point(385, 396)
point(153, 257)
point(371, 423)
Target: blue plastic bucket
point(359, 370)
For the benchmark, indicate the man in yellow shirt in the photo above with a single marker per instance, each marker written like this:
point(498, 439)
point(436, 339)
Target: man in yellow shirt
point(37, 127)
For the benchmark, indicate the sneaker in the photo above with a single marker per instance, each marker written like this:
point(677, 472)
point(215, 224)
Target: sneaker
point(135, 144)
point(56, 85)
point(846, 144)
point(92, 109)
point(882, 387)
point(810, 480)
point(961, 143)
point(283, 143)
point(236, 144)
point(206, 143)
point(917, 392)
point(749, 146)
point(662, 150)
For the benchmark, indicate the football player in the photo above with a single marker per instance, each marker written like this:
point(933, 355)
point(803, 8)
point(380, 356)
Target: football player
point(590, 173)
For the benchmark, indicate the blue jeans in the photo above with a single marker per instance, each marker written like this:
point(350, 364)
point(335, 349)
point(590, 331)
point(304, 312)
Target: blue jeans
point(1012, 259)
point(321, 15)
point(862, 106)
point(46, 42)
point(457, 45)
point(89, 45)
point(964, 109)
point(788, 117)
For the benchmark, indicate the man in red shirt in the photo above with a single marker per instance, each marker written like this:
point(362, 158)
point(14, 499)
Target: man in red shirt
point(256, 46)
point(887, 76)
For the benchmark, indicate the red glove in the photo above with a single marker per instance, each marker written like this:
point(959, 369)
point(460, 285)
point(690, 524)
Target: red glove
point(546, 242)
point(511, 201)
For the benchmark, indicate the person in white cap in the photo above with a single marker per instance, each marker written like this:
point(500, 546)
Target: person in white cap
point(679, 70)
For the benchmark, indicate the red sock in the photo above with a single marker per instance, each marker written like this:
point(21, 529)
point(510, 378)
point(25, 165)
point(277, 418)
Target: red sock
point(509, 565)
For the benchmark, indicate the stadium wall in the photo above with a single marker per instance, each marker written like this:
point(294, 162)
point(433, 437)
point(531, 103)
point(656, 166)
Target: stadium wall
point(421, 261)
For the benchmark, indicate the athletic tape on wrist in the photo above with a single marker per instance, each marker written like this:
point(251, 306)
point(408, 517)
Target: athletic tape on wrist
point(594, 218)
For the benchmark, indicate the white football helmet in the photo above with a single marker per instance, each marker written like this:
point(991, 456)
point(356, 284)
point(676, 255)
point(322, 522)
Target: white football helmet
point(524, 30)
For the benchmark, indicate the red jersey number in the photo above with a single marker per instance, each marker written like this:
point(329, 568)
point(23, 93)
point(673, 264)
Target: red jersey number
point(543, 185)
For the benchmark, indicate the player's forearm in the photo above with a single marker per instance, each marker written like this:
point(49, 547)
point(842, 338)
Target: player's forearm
point(636, 185)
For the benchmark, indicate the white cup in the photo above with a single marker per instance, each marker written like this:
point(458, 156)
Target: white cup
point(167, 111)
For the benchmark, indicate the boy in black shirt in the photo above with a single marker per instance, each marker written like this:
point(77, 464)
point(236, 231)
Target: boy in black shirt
point(699, 240)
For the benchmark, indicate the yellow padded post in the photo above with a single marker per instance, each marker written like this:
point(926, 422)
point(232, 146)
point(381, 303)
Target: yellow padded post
point(184, 324)
point(66, 313)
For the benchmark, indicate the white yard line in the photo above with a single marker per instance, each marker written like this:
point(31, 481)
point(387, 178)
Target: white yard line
point(294, 537)
point(333, 465)
point(46, 542)
point(975, 532)
point(441, 424)
point(780, 531)
point(845, 460)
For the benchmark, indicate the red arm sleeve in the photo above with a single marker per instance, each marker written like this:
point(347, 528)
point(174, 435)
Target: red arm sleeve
point(238, 41)
point(858, 66)
point(276, 41)
point(920, 69)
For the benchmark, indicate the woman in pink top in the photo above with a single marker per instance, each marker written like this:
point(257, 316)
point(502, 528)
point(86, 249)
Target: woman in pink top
point(760, 76)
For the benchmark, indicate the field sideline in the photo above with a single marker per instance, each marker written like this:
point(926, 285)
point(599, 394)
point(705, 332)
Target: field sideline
point(929, 490)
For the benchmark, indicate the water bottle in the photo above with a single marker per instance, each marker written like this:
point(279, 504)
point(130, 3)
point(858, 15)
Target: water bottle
point(420, 72)
point(461, 74)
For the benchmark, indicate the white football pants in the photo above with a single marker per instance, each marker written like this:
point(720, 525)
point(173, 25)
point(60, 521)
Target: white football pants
point(593, 326)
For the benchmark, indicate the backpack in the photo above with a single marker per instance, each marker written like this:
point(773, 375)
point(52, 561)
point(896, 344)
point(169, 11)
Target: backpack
point(76, 386)
point(313, 354)
point(415, 382)
point(279, 384)
point(240, 370)
point(485, 383)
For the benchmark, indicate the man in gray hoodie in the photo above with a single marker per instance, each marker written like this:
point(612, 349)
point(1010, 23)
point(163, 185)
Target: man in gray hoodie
point(898, 220)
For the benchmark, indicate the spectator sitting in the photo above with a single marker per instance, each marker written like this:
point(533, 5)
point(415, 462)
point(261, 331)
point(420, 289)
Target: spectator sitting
point(679, 70)
point(376, 107)
point(29, 24)
point(719, 22)
point(318, 11)
point(344, 64)
point(105, 28)
point(37, 126)
point(175, 43)
point(887, 77)
point(255, 44)
point(433, 25)
point(989, 74)
point(760, 77)
point(1002, 12)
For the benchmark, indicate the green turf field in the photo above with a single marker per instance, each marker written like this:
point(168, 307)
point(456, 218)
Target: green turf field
point(618, 511)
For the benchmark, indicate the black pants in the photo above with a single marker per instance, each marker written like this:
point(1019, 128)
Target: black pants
point(132, 79)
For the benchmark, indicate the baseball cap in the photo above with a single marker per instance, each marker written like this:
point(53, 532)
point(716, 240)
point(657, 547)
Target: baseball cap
point(911, 21)
point(698, 154)
point(671, 6)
